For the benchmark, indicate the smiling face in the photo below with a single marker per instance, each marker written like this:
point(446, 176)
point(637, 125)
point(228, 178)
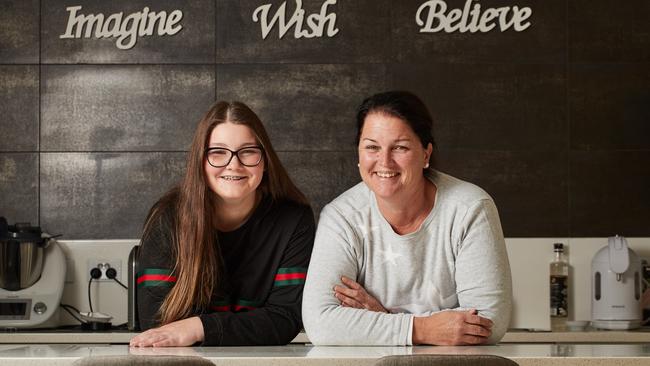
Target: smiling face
point(233, 183)
point(391, 157)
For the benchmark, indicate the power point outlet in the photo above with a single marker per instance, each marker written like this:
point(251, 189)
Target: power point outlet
point(103, 265)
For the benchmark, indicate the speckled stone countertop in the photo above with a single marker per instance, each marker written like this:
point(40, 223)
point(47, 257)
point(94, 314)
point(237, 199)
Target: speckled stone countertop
point(123, 337)
point(299, 355)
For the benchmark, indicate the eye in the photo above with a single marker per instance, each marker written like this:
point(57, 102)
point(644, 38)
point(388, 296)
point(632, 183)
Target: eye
point(249, 152)
point(400, 148)
point(217, 152)
point(372, 147)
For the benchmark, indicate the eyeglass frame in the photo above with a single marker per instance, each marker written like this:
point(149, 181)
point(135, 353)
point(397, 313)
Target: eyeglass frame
point(234, 153)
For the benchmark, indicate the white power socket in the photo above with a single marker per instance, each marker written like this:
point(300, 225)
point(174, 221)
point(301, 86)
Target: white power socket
point(103, 265)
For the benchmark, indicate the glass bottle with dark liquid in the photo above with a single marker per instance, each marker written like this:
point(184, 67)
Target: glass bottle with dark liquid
point(559, 282)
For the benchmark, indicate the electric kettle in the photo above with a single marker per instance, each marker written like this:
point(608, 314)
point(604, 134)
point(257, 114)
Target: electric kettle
point(616, 286)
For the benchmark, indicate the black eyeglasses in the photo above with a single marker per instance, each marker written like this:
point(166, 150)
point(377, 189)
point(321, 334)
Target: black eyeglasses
point(249, 156)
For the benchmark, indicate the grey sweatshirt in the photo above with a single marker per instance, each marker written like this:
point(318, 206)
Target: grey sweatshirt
point(456, 260)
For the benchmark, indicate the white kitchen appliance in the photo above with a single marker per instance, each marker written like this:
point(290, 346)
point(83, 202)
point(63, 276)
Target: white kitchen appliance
point(616, 286)
point(32, 275)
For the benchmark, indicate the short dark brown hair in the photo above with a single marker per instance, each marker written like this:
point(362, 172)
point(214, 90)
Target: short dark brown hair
point(405, 106)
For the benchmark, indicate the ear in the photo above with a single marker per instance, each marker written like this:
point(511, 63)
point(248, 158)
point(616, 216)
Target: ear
point(428, 152)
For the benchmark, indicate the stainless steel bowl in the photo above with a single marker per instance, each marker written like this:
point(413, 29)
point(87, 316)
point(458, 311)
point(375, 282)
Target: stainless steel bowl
point(21, 264)
point(21, 255)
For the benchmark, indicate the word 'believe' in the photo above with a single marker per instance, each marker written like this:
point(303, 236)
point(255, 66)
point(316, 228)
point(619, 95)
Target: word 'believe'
point(470, 20)
point(315, 22)
point(126, 30)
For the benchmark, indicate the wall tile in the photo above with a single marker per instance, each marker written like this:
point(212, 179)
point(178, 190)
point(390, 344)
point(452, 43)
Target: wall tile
point(193, 44)
point(529, 188)
point(321, 176)
point(19, 108)
point(508, 107)
point(609, 193)
point(544, 41)
point(605, 31)
point(104, 195)
point(304, 107)
point(19, 41)
point(19, 187)
point(491, 106)
point(123, 108)
point(610, 106)
point(363, 28)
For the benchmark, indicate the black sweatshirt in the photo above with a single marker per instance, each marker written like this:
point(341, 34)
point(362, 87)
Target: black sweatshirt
point(264, 269)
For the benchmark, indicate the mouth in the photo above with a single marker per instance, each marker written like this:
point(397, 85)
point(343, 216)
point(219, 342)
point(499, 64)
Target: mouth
point(386, 174)
point(232, 177)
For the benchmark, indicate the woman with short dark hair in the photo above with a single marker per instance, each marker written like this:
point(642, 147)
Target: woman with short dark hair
point(224, 254)
point(410, 255)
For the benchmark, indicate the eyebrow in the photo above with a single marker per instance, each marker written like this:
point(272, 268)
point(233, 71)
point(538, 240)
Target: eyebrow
point(398, 140)
point(246, 144)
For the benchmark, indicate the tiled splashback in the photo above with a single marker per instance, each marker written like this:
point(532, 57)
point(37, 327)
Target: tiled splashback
point(529, 262)
point(552, 121)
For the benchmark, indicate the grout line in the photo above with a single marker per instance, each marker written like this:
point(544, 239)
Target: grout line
point(568, 117)
point(111, 151)
point(216, 27)
point(40, 94)
point(163, 151)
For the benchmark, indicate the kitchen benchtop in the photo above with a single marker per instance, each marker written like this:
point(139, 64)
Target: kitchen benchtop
point(123, 337)
point(306, 355)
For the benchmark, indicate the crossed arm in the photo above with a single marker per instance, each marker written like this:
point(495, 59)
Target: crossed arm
point(339, 311)
point(447, 328)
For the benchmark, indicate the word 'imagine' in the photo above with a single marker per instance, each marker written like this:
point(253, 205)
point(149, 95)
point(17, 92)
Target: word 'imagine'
point(315, 22)
point(126, 30)
point(467, 20)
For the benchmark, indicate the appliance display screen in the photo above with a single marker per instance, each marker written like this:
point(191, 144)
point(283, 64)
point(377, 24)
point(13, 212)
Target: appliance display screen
point(14, 309)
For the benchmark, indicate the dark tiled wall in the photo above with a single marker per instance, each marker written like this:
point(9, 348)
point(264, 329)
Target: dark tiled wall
point(553, 122)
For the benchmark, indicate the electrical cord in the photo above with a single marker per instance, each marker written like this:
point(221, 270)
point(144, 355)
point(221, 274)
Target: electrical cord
point(71, 307)
point(94, 274)
point(111, 273)
point(90, 301)
point(67, 308)
point(120, 283)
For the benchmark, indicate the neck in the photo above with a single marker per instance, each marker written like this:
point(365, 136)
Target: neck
point(406, 212)
point(232, 214)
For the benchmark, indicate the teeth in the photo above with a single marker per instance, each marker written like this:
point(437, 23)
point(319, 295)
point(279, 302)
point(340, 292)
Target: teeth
point(232, 177)
point(386, 174)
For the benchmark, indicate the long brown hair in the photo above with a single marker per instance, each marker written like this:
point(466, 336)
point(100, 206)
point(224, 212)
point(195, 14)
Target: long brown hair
point(197, 264)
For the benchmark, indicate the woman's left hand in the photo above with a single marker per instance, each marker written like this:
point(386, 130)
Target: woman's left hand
point(180, 333)
point(352, 294)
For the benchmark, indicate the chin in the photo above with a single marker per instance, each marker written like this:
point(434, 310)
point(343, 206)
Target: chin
point(384, 192)
point(230, 195)
point(385, 195)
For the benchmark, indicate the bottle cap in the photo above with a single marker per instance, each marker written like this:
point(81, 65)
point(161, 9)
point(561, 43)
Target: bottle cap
point(558, 246)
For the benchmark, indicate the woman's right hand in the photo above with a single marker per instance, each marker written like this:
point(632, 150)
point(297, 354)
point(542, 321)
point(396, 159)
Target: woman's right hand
point(181, 333)
point(452, 328)
point(352, 294)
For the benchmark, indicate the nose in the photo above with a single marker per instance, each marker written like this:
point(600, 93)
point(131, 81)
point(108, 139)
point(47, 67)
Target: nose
point(234, 162)
point(385, 157)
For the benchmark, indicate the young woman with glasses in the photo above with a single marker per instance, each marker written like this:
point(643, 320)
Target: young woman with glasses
point(224, 254)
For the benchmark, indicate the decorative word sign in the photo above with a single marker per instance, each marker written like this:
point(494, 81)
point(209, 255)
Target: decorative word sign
point(126, 30)
point(315, 22)
point(432, 17)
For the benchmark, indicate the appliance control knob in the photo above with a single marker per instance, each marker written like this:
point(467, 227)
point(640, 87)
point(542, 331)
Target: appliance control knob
point(40, 308)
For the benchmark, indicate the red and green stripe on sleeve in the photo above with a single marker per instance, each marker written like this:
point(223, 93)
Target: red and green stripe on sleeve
point(152, 277)
point(290, 276)
point(235, 306)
